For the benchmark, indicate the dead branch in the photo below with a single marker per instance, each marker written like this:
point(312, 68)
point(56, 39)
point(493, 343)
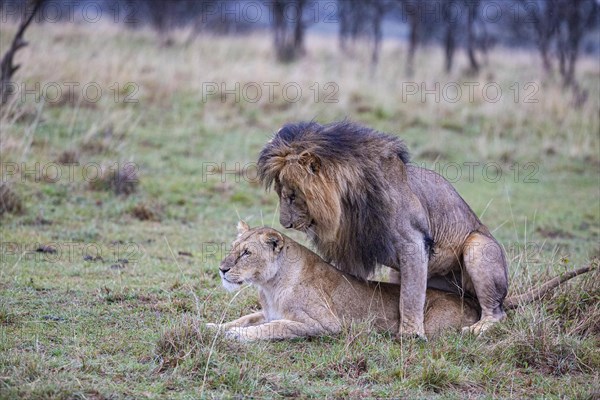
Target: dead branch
point(7, 68)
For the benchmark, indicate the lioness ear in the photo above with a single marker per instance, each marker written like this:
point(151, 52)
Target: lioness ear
point(311, 161)
point(242, 227)
point(274, 240)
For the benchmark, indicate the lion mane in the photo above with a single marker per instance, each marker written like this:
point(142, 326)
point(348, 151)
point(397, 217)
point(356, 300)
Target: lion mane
point(338, 168)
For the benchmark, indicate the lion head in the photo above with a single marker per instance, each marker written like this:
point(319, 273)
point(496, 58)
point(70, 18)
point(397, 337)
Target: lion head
point(252, 258)
point(331, 186)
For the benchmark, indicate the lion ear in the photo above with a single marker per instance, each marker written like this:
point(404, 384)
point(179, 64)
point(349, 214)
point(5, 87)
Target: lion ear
point(312, 162)
point(274, 240)
point(242, 227)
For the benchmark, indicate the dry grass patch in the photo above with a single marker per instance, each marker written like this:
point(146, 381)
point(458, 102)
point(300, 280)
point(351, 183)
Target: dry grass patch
point(10, 202)
point(188, 340)
point(69, 156)
point(147, 212)
point(121, 179)
point(438, 375)
point(577, 306)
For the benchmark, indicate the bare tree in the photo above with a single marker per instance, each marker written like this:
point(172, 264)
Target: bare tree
point(472, 12)
point(543, 16)
point(7, 68)
point(345, 17)
point(165, 15)
point(576, 17)
point(462, 27)
point(283, 49)
point(559, 27)
point(412, 10)
point(355, 20)
point(299, 27)
point(159, 11)
point(378, 10)
point(289, 28)
point(363, 18)
point(546, 26)
point(451, 21)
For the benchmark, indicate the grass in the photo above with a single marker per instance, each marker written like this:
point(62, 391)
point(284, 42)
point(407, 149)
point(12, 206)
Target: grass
point(117, 311)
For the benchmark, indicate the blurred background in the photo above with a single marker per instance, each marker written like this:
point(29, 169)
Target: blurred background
point(129, 133)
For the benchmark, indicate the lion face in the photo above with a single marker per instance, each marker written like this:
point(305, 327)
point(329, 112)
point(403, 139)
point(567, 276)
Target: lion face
point(252, 258)
point(293, 208)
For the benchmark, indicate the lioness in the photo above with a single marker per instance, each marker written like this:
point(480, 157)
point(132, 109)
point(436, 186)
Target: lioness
point(301, 295)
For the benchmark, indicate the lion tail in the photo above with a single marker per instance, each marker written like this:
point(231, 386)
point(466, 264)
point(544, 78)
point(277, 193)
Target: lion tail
point(515, 301)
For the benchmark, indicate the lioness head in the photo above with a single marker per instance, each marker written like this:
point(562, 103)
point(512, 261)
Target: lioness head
point(253, 257)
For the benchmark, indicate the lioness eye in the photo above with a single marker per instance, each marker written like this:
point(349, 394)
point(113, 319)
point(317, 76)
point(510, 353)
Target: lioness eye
point(245, 253)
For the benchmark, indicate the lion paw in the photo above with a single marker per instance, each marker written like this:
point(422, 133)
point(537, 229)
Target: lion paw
point(210, 325)
point(481, 326)
point(411, 336)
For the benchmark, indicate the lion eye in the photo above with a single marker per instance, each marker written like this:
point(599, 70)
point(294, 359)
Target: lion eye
point(245, 253)
point(291, 197)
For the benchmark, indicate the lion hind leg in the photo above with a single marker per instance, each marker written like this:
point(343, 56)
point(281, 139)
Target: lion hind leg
point(485, 265)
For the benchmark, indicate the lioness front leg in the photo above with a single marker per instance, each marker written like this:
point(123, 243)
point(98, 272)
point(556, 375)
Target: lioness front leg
point(413, 286)
point(278, 329)
point(247, 320)
point(486, 266)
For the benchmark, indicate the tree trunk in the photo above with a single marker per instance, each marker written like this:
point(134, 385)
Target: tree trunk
point(413, 42)
point(547, 28)
point(299, 29)
point(7, 69)
point(575, 27)
point(377, 34)
point(449, 48)
point(343, 12)
point(472, 6)
point(449, 39)
point(280, 36)
point(544, 45)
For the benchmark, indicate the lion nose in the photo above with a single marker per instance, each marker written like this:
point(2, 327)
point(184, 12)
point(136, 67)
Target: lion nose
point(288, 225)
point(224, 268)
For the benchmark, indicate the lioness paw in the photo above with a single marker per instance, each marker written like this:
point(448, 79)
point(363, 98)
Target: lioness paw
point(236, 334)
point(210, 325)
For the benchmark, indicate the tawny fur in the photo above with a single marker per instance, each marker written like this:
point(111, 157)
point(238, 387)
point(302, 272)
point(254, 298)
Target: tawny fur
point(301, 295)
point(354, 193)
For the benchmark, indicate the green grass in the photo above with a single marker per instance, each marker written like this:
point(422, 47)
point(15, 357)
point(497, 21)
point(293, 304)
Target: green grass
point(85, 323)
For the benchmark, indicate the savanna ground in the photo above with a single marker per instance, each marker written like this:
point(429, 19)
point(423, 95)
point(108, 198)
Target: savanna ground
point(104, 295)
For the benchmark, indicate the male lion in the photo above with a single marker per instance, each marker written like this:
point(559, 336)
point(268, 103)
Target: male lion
point(352, 190)
point(301, 295)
